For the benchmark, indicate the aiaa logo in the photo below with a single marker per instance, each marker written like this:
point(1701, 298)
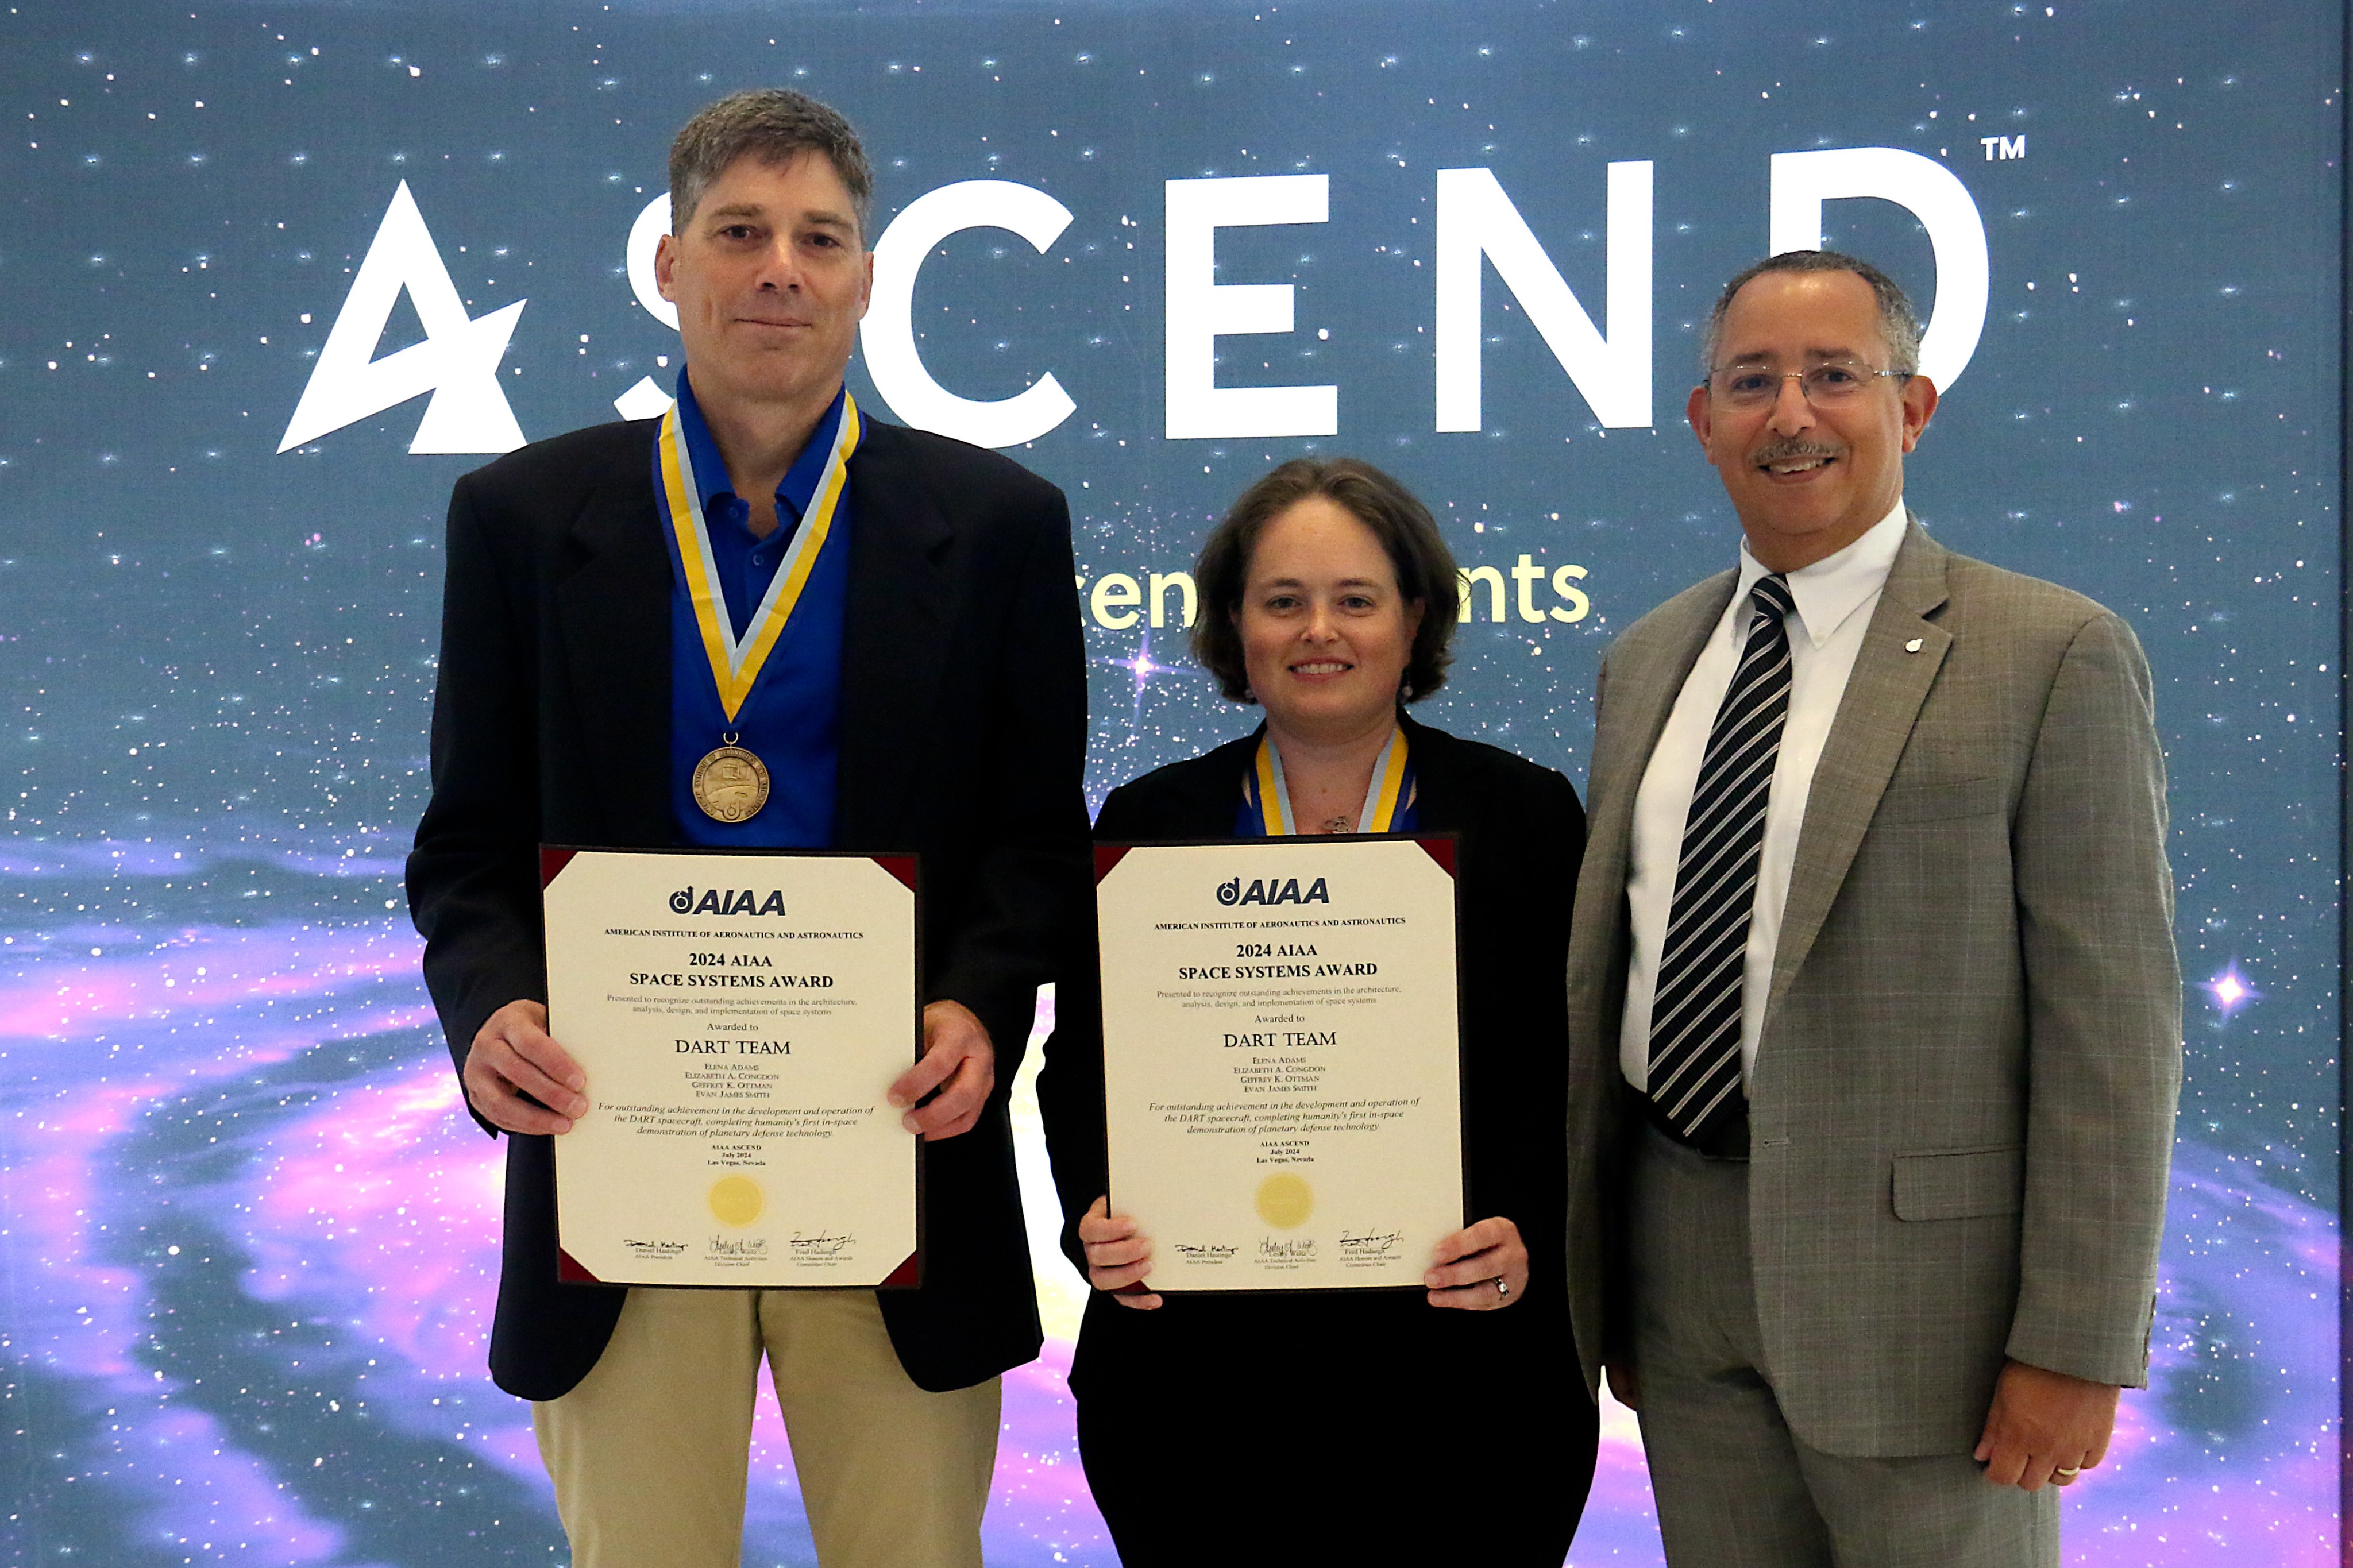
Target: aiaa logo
point(1271, 891)
point(721, 902)
point(458, 361)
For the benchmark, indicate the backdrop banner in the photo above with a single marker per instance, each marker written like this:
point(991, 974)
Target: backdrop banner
point(276, 273)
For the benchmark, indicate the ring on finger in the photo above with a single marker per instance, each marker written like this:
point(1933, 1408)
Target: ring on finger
point(2066, 1473)
point(1503, 1288)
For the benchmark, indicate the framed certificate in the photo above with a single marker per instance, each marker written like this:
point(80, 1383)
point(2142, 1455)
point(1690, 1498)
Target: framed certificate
point(1282, 1057)
point(740, 1017)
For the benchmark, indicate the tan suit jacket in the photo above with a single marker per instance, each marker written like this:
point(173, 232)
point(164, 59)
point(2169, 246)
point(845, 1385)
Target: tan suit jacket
point(1962, 1105)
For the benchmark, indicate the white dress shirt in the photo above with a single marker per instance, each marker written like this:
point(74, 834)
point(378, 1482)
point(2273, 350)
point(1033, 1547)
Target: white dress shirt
point(1834, 599)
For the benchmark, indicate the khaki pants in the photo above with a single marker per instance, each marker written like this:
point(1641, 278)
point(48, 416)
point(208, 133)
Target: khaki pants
point(649, 1452)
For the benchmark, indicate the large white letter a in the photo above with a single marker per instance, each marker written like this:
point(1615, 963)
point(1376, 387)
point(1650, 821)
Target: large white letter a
point(458, 361)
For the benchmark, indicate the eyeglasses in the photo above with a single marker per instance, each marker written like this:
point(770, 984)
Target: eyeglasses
point(1829, 381)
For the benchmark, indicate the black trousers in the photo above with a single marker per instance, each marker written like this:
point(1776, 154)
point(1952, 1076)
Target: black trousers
point(1385, 1463)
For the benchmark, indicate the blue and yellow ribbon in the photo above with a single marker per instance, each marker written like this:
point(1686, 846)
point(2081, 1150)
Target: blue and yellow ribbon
point(735, 663)
point(1385, 797)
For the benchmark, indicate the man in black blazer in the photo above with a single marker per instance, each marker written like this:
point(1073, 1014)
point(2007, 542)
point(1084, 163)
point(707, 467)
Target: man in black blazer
point(949, 697)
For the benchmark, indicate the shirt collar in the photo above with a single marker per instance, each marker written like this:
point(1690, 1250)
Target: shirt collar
point(1836, 587)
point(711, 478)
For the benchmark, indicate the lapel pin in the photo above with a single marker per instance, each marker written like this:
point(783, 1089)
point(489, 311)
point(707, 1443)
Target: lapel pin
point(1913, 646)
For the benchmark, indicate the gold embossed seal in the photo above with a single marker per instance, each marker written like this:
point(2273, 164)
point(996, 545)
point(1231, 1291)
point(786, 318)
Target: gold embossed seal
point(735, 1201)
point(1284, 1201)
point(731, 784)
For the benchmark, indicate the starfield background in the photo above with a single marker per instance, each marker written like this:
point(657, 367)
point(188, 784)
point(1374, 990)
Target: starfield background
point(248, 1237)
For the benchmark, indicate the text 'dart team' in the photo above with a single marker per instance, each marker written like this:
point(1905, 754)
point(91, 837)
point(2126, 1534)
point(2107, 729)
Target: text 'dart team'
point(1844, 1144)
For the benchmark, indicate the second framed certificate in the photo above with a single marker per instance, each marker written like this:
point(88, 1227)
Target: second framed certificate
point(1283, 1058)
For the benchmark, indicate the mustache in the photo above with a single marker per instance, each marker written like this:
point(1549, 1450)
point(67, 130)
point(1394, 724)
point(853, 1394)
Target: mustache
point(1789, 447)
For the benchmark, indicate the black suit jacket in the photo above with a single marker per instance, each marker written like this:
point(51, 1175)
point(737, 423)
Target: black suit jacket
point(1521, 838)
point(963, 736)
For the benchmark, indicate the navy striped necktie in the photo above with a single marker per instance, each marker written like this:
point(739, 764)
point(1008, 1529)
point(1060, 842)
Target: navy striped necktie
point(1695, 1010)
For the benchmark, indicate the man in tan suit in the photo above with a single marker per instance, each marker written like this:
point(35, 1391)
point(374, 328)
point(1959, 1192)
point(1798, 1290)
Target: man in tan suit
point(1873, 1005)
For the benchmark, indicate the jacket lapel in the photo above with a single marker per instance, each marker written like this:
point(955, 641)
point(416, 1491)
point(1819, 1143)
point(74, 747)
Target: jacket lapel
point(1642, 677)
point(613, 617)
point(1641, 693)
point(1874, 721)
point(894, 639)
point(1205, 802)
point(1438, 797)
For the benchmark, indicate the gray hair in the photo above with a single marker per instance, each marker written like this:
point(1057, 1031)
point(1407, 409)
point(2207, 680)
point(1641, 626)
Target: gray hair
point(1898, 323)
point(775, 125)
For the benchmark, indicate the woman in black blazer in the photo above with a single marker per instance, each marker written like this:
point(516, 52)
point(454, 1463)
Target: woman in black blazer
point(1336, 1426)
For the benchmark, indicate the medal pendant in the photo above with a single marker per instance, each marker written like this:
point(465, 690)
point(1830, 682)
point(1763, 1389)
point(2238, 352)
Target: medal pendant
point(731, 784)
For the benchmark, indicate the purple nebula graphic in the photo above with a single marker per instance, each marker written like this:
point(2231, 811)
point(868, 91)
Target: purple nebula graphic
point(251, 1247)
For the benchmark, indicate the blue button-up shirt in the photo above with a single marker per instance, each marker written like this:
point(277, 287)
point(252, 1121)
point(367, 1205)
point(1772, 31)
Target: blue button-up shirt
point(791, 720)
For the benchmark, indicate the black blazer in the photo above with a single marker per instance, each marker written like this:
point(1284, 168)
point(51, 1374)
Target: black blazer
point(1522, 836)
point(963, 737)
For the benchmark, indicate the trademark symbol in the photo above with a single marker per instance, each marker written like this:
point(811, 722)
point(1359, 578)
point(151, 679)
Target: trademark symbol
point(2003, 148)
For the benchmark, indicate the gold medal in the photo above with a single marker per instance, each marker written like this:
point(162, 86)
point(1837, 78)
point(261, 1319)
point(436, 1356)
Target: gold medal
point(731, 784)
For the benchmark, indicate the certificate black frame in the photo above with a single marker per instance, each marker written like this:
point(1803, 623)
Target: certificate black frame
point(907, 867)
point(1109, 853)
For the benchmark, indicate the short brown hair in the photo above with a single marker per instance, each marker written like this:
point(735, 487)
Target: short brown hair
point(775, 125)
point(1425, 568)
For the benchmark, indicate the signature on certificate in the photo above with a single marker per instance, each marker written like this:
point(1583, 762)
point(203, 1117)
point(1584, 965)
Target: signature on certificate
point(823, 1244)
